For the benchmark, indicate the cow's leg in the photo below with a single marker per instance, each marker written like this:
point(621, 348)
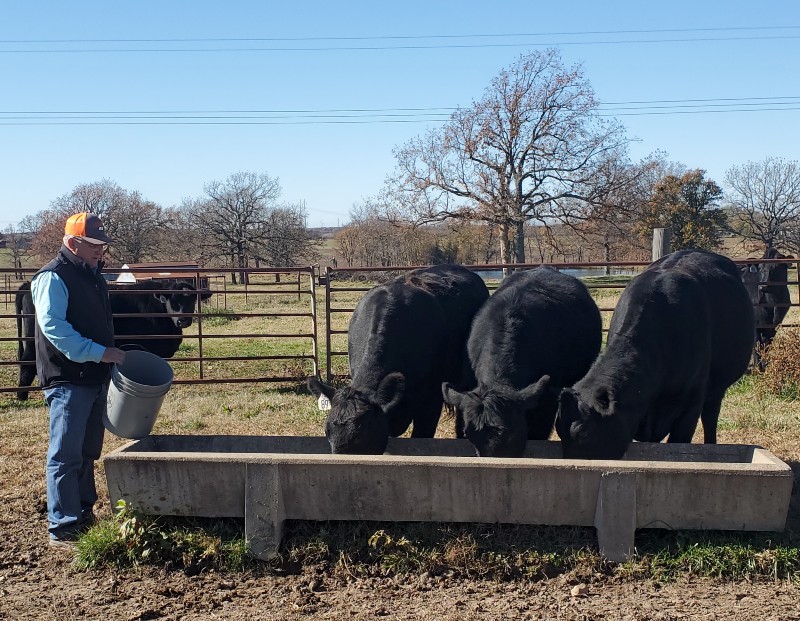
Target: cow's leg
point(27, 372)
point(763, 339)
point(541, 418)
point(426, 419)
point(682, 430)
point(710, 417)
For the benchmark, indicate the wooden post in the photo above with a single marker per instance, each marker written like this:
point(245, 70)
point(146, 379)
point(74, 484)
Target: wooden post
point(661, 242)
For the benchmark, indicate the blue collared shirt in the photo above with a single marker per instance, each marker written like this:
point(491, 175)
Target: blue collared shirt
point(50, 297)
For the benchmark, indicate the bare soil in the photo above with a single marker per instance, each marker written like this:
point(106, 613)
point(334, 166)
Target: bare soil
point(38, 582)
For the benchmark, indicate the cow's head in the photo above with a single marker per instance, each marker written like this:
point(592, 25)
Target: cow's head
point(774, 272)
point(495, 420)
point(589, 427)
point(182, 300)
point(358, 421)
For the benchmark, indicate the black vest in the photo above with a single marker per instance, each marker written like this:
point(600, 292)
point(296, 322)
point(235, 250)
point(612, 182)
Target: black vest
point(89, 312)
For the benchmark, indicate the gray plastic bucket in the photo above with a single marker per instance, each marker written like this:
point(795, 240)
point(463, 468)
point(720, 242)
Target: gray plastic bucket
point(135, 395)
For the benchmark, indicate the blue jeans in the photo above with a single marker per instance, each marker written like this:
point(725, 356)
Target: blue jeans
point(76, 442)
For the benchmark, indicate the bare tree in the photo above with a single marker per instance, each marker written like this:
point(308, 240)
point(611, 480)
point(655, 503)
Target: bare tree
point(233, 215)
point(533, 141)
point(131, 221)
point(287, 240)
point(765, 201)
point(181, 240)
point(16, 242)
point(609, 226)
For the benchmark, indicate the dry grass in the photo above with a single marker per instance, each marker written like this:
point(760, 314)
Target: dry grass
point(752, 413)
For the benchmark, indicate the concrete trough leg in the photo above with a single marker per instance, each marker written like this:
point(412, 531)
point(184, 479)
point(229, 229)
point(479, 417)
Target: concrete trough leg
point(264, 512)
point(615, 515)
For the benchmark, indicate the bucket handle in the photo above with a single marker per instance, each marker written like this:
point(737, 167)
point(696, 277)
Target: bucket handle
point(133, 347)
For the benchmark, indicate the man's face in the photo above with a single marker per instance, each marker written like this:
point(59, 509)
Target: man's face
point(90, 253)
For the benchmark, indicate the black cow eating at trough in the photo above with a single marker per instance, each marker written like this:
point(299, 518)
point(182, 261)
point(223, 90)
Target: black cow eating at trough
point(769, 292)
point(181, 299)
point(539, 332)
point(405, 338)
point(681, 333)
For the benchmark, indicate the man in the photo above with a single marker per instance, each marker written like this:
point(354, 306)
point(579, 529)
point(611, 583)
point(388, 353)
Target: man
point(74, 352)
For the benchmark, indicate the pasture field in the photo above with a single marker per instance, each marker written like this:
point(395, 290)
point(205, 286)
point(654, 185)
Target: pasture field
point(194, 569)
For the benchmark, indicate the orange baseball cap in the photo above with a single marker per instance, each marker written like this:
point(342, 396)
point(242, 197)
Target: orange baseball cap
point(87, 226)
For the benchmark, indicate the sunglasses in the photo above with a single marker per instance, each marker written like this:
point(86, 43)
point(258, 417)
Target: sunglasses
point(104, 247)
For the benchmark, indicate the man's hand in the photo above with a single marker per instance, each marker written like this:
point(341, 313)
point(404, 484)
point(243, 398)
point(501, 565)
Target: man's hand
point(113, 355)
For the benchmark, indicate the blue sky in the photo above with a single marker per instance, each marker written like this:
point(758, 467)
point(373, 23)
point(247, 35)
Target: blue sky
point(722, 53)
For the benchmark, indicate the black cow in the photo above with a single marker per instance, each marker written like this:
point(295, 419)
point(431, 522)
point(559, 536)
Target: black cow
point(769, 292)
point(681, 333)
point(182, 298)
point(405, 338)
point(538, 333)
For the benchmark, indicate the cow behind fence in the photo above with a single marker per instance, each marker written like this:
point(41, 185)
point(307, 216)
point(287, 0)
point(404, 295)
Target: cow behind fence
point(141, 311)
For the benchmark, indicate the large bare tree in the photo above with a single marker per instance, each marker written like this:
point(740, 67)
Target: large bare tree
point(765, 201)
point(241, 224)
point(232, 216)
point(287, 239)
point(529, 149)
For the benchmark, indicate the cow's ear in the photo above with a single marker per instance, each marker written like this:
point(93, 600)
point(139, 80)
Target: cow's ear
point(390, 391)
point(451, 396)
point(205, 295)
point(161, 298)
point(318, 389)
point(530, 395)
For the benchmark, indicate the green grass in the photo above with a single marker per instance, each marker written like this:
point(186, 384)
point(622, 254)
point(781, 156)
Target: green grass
point(130, 540)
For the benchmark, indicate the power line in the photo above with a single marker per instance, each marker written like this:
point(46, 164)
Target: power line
point(276, 111)
point(400, 37)
point(342, 121)
point(659, 101)
point(352, 48)
point(698, 112)
point(373, 115)
point(437, 110)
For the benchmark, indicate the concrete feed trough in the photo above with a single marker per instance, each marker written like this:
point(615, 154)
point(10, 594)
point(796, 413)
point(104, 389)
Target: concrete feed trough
point(270, 479)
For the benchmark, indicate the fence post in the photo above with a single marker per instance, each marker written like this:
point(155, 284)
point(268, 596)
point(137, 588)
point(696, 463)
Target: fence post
point(314, 318)
point(328, 273)
point(661, 242)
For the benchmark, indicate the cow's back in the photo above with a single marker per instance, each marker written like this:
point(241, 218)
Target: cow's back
point(460, 293)
point(690, 314)
point(537, 322)
point(395, 327)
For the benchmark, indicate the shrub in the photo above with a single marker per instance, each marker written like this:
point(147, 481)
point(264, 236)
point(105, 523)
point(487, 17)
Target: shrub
point(782, 373)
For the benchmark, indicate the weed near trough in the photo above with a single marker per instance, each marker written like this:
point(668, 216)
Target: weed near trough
point(493, 552)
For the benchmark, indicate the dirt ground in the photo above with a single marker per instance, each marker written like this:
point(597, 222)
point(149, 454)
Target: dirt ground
point(37, 582)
